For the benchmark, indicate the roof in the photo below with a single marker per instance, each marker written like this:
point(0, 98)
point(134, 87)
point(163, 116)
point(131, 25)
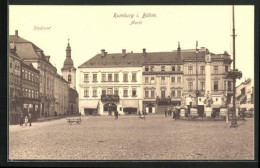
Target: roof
point(29, 66)
point(138, 59)
point(26, 49)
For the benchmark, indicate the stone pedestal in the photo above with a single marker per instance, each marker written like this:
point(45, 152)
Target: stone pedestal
point(182, 112)
point(223, 111)
point(194, 111)
point(208, 111)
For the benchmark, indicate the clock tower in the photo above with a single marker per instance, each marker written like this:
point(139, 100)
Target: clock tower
point(68, 70)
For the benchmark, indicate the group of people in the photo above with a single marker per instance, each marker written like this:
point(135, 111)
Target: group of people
point(175, 113)
point(141, 115)
point(26, 118)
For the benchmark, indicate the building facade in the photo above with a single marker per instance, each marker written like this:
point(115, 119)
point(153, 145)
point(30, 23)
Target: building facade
point(164, 80)
point(61, 90)
point(245, 95)
point(15, 91)
point(30, 90)
point(31, 54)
point(110, 82)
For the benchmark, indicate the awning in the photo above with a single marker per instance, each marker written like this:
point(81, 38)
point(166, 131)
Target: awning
point(130, 103)
point(91, 104)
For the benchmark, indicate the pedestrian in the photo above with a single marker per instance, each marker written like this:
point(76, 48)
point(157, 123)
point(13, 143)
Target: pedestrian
point(21, 118)
point(116, 114)
point(25, 120)
point(165, 113)
point(139, 114)
point(144, 113)
point(30, 118)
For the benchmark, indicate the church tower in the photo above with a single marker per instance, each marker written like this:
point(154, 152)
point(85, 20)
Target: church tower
point(68, 70)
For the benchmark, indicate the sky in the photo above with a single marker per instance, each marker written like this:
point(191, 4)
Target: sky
point(156, 28)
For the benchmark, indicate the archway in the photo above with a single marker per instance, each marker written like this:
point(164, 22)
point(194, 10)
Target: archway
point(110, 107)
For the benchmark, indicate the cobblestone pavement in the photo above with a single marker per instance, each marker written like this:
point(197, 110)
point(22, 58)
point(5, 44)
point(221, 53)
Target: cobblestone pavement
point(131, 138)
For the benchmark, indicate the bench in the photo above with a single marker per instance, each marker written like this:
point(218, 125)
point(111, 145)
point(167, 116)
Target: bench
point(74, 120)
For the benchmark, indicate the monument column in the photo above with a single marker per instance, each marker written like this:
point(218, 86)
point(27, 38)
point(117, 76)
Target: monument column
point(208, 109)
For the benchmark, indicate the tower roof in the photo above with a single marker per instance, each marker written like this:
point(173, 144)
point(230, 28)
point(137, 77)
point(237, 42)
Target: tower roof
point(68, 63)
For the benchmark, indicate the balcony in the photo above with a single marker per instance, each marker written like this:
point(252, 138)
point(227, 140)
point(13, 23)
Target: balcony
point(163, 100)
point(109, 98)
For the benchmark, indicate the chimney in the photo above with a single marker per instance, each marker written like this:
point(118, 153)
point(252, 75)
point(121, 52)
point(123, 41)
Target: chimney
point(16, 33)
point(47, 57)
point(179, 48)
point(103, 53)
point(203, 49)
point(144, 51)
point(124, 52)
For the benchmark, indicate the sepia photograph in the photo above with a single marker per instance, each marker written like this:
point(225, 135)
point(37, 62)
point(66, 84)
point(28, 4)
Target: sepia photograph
point(132, 82)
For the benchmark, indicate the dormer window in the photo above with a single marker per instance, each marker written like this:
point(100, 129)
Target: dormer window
point(162, 68)
point(146, 68)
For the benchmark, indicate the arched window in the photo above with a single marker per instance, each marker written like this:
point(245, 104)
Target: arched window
point(69, 78)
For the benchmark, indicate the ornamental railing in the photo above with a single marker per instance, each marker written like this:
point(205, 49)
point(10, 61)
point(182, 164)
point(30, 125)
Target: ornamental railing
point(110, 98)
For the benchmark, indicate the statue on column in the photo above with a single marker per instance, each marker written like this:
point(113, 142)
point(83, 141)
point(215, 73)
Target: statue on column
point(208, 101)
point(224, 99)
point(194, 98)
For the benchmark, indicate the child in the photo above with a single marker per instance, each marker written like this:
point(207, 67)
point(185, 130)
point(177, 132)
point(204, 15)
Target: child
point(26, 121)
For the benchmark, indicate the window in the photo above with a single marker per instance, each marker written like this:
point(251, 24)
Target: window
point(133, 77)
point(86, 78)
point(215, 69)
point(202, 85)
point(163, 93)
point(162, 68)
point(134, 92)
point(109, 91)
point(178, 68)
point(146, 68)
point(215, 85)
point(163, 80)
point(86, 93)
point(226, 69)
point(146, 93)
point(109, 77)
point(32, 77)
point(190, 85)
point(173, 79)
point(152, 80)
point(115, 92)
point(179, 79)
point(125, 92)
point(94, 92)
point(173, 93)
point(103, 77)
point(229, 86)
point(23, 75)
point(116, 77)
point(125, 78)
point(29, 76)
point(32, 94)
point(103, 92)
point(94, 77)
point(202, 70)
point(151, 68)
point(179, 93)
point(69, 78)
point(146, 79)
point(152, 93)
point(29, 93)
point(190, 70)
point(173, 68)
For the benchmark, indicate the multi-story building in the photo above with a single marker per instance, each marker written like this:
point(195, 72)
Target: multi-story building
point(30, 53)
point(30, 89)
point(245, 95)
point(162, 81)
point(61, 91)
point(205, 72)
point(15, 91)
point(166, 80)
point(109, 82)
point(73, 102)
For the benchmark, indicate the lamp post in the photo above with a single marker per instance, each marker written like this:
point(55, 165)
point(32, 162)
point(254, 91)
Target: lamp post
point(197, 92)
point(234, 119)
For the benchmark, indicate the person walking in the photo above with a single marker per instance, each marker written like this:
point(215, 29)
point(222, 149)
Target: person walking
point(116, 114)
point(21, 118)
point(165, 113)
point(30, 118)
point(144, 113)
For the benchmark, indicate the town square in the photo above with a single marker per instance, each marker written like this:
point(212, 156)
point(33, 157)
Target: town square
point(123, 87)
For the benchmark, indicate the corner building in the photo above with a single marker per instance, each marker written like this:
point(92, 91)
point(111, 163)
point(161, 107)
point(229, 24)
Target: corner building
point(111, 82)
